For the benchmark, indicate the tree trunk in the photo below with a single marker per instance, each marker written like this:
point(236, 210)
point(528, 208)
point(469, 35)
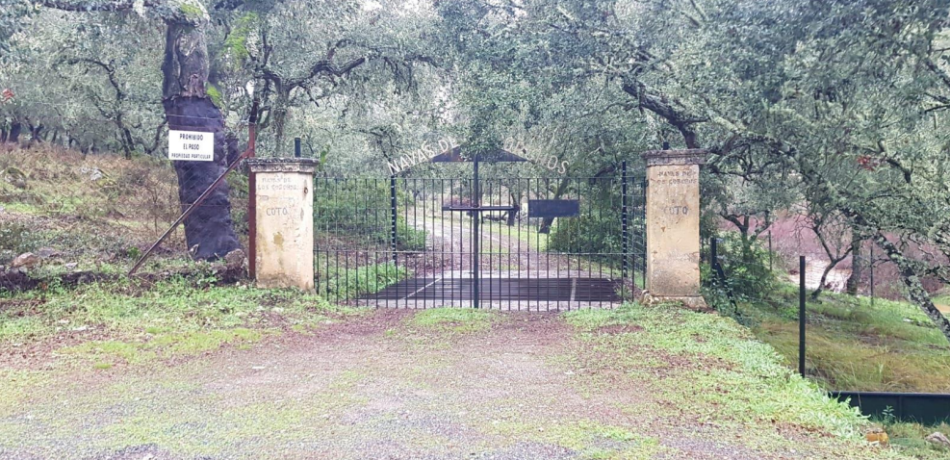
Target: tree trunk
point(513, 214)
point(857, 269)
point(824, 278)
point(915, 290)
point(209, 230)
point(128, 144)
point(35, 135)
point(14, 136)
point(279, 118)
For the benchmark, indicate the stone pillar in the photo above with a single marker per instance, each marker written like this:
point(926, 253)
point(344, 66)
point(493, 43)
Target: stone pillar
point(673, 226)
point(284, 233)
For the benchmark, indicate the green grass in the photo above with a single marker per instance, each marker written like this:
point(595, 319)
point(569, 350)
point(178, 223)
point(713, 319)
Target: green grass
point(590, 439)
point(170, 318)
point(339, 283)
point(718, 356)
point(106, 353)
point(942, 299)
point(454, 319)
point(852, 345)
point(911, 438)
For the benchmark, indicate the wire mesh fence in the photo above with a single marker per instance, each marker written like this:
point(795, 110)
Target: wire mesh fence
point(100, 212)
point(844, 323)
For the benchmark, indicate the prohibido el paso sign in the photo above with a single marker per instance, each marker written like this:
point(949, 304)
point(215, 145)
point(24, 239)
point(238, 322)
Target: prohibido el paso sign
point(190, 146)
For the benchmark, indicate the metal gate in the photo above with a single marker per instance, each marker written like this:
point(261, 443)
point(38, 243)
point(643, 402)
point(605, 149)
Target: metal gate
point(527, 243)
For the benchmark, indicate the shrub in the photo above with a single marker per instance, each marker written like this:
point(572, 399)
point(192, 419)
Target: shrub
point(357, 282)
point(745, 273)
point(357, 213)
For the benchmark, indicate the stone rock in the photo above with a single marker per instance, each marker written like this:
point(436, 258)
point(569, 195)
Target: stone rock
point(91, 173)
point(938, 438)
point(71, 266)
point(235, 259)
point(877, 436)
point(25, 260)
point(47, 253)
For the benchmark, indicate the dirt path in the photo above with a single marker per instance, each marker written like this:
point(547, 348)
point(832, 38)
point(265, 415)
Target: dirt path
point(516, 386)
point(503, 249)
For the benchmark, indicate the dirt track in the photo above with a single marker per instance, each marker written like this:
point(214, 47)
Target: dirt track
point(377, 387)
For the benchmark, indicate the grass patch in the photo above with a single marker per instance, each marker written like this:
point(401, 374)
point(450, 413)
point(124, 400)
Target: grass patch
point(911, 438)
point(454, 319)
point(590, 439)
point(175, 305)
point(702, 361)
point(169, 319)
point(344, 284)
point(109, 352)
point(853, 345)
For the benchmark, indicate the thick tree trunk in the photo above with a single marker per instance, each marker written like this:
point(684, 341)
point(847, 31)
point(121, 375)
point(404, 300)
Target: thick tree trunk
point(35, 135)
point(857, 267)
point(209, 231)
point(14, 136)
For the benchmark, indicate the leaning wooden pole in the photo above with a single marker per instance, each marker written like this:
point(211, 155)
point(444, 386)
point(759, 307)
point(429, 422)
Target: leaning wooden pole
point(252, 128)
point(252, 196)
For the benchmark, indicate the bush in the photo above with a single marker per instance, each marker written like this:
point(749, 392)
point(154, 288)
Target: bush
point(16, 238)
point(409, 238)
point(370, 279)
point(596, 234)
point(357, 213)
point(745, 271)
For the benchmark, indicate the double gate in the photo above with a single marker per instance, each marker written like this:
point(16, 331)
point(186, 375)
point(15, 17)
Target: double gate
point(528, 243)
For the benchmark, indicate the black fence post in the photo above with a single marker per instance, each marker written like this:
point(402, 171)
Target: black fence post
point(392, 215)
point(714, 257)
point(476, 235)
point(801, 315)
point(297, 147)
point(768, 222)
point(624, 223)
point(871, 267)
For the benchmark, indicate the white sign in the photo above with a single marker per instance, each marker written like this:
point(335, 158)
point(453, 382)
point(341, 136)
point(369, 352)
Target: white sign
point(190, 146)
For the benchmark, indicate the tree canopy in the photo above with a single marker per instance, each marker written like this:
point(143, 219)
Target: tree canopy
point(840, 104)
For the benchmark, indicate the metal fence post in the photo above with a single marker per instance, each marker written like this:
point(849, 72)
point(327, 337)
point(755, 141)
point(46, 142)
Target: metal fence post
point(871, 266)
point(770, 242)
point(623, 211)
point(476, 235)
point(801, 315)
point(714, 259)
point(392, 215)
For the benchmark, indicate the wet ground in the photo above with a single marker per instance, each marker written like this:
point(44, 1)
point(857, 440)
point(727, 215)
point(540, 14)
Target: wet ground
point(517, 386)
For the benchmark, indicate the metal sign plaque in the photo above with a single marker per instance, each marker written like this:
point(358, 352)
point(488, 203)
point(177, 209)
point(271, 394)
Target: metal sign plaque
point(190, 146)
point(553, 208)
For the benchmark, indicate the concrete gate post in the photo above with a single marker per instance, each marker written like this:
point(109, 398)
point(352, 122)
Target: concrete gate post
point(284, 233)
point(672, 213)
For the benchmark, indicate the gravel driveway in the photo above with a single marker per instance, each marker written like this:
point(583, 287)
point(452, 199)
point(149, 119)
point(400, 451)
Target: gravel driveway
point(514, 386)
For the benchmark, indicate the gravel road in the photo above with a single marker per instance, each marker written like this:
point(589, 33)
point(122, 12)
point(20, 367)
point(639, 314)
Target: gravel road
point(378, 387)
